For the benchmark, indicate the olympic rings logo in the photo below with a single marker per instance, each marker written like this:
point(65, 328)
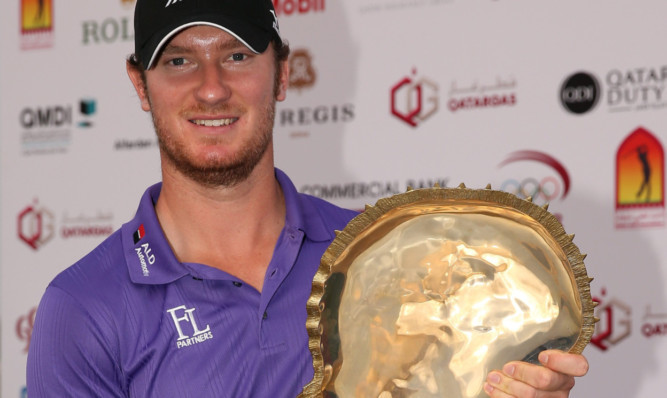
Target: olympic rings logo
point(542, 191)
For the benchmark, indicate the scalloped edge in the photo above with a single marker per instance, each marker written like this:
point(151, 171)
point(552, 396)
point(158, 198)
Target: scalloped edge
point(373, 213)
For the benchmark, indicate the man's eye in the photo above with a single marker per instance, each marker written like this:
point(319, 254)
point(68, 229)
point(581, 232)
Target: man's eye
point(177, 61)
point(238, 57)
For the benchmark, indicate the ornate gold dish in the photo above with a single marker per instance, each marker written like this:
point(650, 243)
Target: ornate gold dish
point(427, 291)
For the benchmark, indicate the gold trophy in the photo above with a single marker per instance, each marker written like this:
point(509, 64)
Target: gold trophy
point(427, 291)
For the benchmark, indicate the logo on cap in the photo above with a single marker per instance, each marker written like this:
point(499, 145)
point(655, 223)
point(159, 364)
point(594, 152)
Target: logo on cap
point(275, 22)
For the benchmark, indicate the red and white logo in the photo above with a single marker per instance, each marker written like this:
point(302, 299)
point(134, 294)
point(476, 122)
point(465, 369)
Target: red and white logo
point(615, 322)
point(290, 7)
point(24, 326)
point(414, 99)
point(35, 225)
point(545, 180)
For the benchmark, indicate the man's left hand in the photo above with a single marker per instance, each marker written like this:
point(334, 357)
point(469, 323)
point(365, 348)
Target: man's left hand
point(523, 380)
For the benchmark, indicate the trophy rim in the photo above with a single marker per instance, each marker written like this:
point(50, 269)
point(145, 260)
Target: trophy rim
point(444, 196)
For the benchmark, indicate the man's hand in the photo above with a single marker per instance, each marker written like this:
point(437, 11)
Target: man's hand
point(523, 380)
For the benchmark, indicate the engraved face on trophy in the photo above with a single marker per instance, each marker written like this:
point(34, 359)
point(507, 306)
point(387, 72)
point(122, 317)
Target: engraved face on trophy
point(432, 289)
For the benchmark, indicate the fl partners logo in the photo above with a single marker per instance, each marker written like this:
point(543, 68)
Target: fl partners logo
point(414, 99)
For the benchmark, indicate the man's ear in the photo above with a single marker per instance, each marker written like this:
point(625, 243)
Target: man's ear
point(283, 82)
point(139, 85)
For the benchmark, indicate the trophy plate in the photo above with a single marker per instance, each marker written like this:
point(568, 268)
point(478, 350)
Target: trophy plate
point(426, 292)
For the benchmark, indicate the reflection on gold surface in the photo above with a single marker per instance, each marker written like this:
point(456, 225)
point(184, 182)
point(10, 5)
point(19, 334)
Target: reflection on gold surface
point(425, 295)
point(448, 294)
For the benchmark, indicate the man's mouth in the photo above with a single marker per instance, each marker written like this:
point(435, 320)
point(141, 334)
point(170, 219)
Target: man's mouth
point(214, 122)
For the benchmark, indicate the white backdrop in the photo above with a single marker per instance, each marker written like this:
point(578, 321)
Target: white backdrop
point(564, 100)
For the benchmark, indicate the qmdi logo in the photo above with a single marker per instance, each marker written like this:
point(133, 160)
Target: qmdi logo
point(36, 24)
point(640, 181)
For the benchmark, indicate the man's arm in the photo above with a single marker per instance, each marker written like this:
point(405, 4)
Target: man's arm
point(69, 352)
point(553, 380)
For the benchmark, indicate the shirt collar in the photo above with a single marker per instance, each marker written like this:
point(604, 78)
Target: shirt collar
point(301, 212)
point(149, 256)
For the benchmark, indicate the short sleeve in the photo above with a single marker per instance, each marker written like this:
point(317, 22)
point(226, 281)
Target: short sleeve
point(70, 352)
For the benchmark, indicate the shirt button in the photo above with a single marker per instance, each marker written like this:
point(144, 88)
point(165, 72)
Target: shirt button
point(237, 284)
point(265, 315)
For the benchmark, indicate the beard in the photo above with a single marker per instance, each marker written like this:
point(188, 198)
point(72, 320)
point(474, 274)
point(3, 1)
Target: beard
point(217, 171)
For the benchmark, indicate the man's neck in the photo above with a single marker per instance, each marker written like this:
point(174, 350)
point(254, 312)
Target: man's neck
point(234, 228)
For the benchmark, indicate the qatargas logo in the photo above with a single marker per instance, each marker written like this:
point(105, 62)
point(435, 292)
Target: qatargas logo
point(640, 181)
point(615, 323)
point(302, 72)
point(36, 24)
point(35, 225)
point(537, 175)
point(480, 95)
point(24, 325)
point(414, 99)
point(298, 7)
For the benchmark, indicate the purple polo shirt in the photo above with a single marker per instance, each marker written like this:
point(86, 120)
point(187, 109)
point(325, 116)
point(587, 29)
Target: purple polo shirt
point(130, 320)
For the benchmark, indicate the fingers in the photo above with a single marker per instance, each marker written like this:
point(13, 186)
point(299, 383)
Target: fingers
point(527, 381)
point(554, 379)
point(563, 362)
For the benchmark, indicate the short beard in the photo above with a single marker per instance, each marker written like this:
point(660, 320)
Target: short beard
point(219, 173)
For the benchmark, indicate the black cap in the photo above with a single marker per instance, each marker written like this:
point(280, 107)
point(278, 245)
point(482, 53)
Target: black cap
point(253, 22)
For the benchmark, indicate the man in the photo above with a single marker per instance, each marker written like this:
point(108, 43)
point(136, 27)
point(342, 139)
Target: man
point(203, 293)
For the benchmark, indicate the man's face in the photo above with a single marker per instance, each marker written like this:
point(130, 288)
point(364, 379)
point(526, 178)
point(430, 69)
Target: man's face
point(213, 103)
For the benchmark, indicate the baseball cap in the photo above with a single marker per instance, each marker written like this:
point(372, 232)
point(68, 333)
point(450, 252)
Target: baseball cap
point(252, 22)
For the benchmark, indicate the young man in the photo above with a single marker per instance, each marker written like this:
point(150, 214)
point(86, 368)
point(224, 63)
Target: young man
point(203, 293)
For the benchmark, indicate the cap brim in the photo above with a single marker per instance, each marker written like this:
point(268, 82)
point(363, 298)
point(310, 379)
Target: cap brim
point(255, 38)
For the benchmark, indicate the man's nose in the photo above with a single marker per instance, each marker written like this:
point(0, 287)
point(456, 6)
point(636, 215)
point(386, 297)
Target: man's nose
point(213, 87)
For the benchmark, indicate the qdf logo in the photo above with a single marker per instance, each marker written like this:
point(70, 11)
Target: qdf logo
point(580, 93)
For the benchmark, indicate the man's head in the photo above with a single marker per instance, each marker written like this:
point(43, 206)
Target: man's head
point(252, 22)
point(210, 71)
